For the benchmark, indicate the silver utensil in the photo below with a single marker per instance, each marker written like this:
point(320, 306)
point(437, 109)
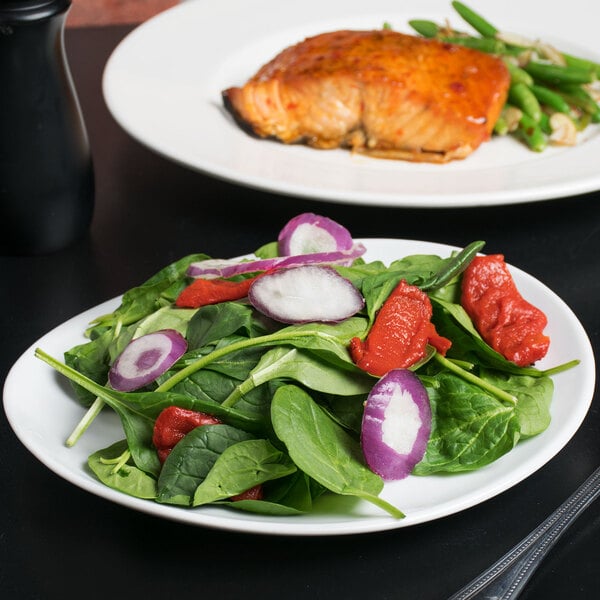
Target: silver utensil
point(507, 577)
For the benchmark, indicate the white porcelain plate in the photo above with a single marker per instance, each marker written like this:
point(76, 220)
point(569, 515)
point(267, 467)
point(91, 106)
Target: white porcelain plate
point(163, 85)
point(43, 412)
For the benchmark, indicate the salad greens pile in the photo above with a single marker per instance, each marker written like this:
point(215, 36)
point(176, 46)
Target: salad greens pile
point(289, 397)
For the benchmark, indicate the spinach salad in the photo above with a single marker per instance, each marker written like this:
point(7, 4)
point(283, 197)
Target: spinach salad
point(287, 399)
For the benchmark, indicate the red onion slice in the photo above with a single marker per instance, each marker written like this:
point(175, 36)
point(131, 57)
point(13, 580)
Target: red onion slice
point(308, 233)
point(146, 358)
point(396, 424)
point(235, 266)
point(305, 294)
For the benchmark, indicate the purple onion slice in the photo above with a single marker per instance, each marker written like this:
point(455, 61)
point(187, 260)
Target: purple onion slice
point(305, 294)
point(309, 233)
point(231, 267)
point(396, 424)
point(145, 358)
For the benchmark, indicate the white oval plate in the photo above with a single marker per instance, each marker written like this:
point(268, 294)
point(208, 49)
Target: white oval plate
point(43, 412)
point(163, 85)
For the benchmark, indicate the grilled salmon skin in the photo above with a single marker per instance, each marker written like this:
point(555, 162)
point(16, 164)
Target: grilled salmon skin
point(380, 92)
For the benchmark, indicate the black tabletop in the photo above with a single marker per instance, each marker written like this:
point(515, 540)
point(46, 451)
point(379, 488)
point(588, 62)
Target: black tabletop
point(57, 540)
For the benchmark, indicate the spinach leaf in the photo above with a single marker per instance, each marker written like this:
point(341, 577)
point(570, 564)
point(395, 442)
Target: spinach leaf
point(322, 449)
point(285, 362)
point(360, 271)
point(294, 491)
point(329, 342)
point(126, 477)
point(265, 507)
point(534, 396)
point(91, 360)
point(347, 411)
point(268, 250)
point(138, 428)
point(192, 458)
point(286, 496)
point(218, 321)
point(470, 428)
point(235, 364)
point(143, 300)
point(167, 317)
point(206, 384)
point(241, 467)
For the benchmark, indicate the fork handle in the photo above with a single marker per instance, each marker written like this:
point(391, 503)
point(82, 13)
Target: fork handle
point(506, 578)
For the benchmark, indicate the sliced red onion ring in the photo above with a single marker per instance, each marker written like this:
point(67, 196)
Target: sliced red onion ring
point(396, 424)
point(308, 233)
point(231, 267)
point(228, 267)
point(305, 294)
point(146, 358)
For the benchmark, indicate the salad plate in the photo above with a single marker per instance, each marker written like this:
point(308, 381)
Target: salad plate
point(42, 411)
point(163, 85)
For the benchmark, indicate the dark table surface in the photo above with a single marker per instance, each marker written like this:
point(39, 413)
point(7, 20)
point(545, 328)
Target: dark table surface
point(57, 541)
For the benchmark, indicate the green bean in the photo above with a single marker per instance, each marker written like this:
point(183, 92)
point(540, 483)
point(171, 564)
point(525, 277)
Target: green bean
point(475, 20)
point(487, 45)
point(501, 126)
point(545, 123)
point(427, 29)
point(582, 63)
point(531, 133)
point(577, 96)
point(582, 122)
point(518, 75)
point(521, 96)
point(550, 99)
point(558, 74)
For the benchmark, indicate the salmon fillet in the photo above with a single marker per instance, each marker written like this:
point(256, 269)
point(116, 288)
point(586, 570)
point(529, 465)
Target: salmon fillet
point(380, 92)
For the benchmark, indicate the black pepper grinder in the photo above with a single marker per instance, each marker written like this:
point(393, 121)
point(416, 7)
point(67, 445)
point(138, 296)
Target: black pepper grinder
point(46, 173)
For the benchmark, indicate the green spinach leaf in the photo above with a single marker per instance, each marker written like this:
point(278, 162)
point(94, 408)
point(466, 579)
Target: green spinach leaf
point(241, 467)
point(285, 362)
point(534, 396)
point(126, 477)
point(322, 449)
point(91, 360)
point(192, 458)
point(143, 300)
point(470, 428)
point(215, 322)
point(329, 342)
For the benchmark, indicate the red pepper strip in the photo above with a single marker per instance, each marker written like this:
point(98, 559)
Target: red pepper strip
point(173, 423)
point(400, 334)
point(506, 321)
point(212, 291)
point(254, 493)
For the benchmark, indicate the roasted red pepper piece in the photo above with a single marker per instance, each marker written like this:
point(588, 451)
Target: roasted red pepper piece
point(400, 334)
point(505, 320)
point(254, 493)
point(202, 292)
point(173, 423)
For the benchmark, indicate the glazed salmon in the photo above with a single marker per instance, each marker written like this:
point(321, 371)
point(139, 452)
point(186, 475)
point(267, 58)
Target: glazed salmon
point(380, 92)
